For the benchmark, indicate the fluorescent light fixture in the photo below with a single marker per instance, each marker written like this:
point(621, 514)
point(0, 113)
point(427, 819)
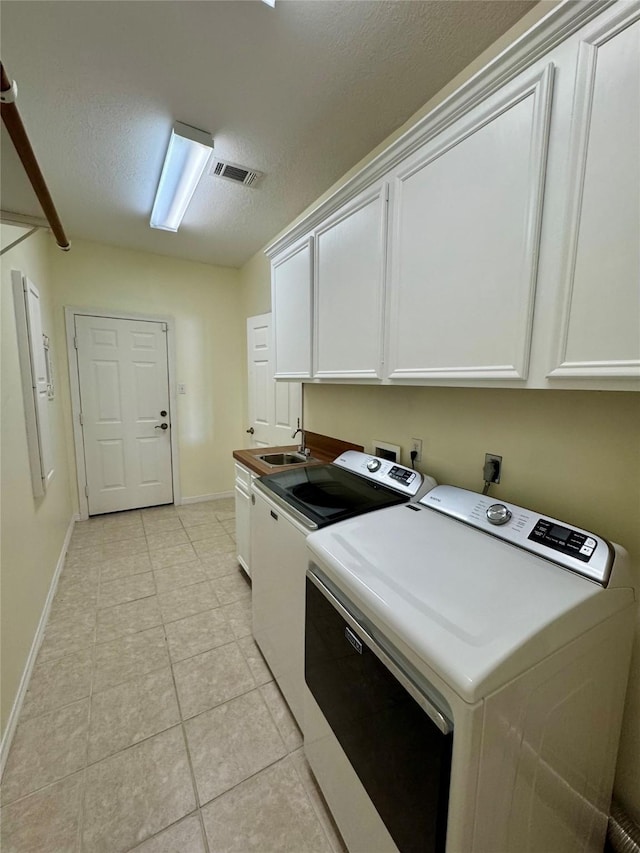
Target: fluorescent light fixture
point(186, 159)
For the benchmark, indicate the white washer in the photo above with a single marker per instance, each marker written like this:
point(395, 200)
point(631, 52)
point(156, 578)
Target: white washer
point(286, 507)
point(504, 638)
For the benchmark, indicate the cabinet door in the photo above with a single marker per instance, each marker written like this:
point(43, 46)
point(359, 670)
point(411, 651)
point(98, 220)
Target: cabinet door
point(350, 256)
point(467, 212)
point(244, 478)
point(278, 582)
point(243, 529)
point(600, 332)
point(291, 280)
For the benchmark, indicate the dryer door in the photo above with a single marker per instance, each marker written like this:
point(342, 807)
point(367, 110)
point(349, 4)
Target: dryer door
point(396, 739)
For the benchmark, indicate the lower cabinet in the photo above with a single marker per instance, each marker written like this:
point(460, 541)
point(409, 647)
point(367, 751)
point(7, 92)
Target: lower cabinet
point(244, 478)
point(278, 548)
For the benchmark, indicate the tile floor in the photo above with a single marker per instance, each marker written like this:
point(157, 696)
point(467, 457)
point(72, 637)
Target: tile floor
point(151, 722)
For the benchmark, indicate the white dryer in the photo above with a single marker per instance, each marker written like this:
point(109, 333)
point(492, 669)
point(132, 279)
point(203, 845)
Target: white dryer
point(466, 666)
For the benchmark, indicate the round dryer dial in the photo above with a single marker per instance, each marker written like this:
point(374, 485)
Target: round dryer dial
point(498, 514)
point(373, 464)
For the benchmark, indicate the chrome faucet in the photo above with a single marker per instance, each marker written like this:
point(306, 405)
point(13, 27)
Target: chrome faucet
point(302, 447)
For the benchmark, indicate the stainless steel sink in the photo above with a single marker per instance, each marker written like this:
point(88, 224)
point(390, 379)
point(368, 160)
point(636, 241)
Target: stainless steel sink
point(276, 459)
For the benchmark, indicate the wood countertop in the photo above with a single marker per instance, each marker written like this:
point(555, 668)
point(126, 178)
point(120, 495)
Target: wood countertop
point(323, 449)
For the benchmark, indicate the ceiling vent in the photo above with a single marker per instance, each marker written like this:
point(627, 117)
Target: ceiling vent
point(234, 172)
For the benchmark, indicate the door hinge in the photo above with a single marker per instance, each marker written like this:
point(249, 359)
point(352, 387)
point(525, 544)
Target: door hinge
point(81, 418)
point(86, 491)
point(75, 341)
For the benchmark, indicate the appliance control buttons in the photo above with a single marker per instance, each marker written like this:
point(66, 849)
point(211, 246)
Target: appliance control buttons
point(498, 514)
point(590, 542)
point(402, 475)
point(373, 465)
point(586, 550)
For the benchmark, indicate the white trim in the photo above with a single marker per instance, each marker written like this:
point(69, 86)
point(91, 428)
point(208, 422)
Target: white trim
point(12, 722)
point(196, 499)
point(70, 312)
point(559, 24)
point(11, 218)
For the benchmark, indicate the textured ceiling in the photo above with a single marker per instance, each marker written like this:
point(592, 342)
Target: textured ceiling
point(300, 92)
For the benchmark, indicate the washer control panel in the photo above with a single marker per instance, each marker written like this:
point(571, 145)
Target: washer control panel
point(411, 483)
point(579, 550)
point(402, 475)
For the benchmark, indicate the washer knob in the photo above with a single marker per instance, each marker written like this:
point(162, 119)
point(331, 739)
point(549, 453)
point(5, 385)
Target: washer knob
point(498, 514)
point(373, 465)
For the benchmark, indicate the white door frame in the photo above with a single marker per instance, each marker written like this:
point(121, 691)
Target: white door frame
point(70, 313)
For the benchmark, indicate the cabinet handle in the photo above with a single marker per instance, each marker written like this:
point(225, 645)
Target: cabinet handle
point(251, 430)
point(273, 515)
point(253, 500)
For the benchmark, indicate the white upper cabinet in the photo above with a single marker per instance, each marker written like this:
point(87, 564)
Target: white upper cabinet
point(291, 292)
point(350, 255)
point(467, 209)
point(600, 294)
point(494, 243)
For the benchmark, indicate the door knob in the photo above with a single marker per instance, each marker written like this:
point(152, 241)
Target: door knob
point(162, 426)
point(251, 430)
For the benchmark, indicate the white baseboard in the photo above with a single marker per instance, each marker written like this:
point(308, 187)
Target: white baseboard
point(12, 722)
point(196, 499)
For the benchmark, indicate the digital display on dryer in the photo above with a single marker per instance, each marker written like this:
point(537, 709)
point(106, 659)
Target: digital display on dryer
point(563, 539)
point(561, 533)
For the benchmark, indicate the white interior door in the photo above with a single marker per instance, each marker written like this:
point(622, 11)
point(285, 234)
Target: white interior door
point(274, 407)
point(124, 391)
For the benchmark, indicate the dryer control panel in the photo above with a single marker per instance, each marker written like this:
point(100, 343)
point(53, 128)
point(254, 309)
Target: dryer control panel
point(564, 539)
point(578, 550)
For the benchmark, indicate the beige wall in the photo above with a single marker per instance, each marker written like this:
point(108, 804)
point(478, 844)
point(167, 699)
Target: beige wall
point(205, 302)
point(573, 455)
point(32, 529)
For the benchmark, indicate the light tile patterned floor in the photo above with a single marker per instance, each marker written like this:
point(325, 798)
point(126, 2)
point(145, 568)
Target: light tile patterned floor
point(151, 722)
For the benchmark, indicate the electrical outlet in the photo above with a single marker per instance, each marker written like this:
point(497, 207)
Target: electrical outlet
point(416, 445)
point(497, 461)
